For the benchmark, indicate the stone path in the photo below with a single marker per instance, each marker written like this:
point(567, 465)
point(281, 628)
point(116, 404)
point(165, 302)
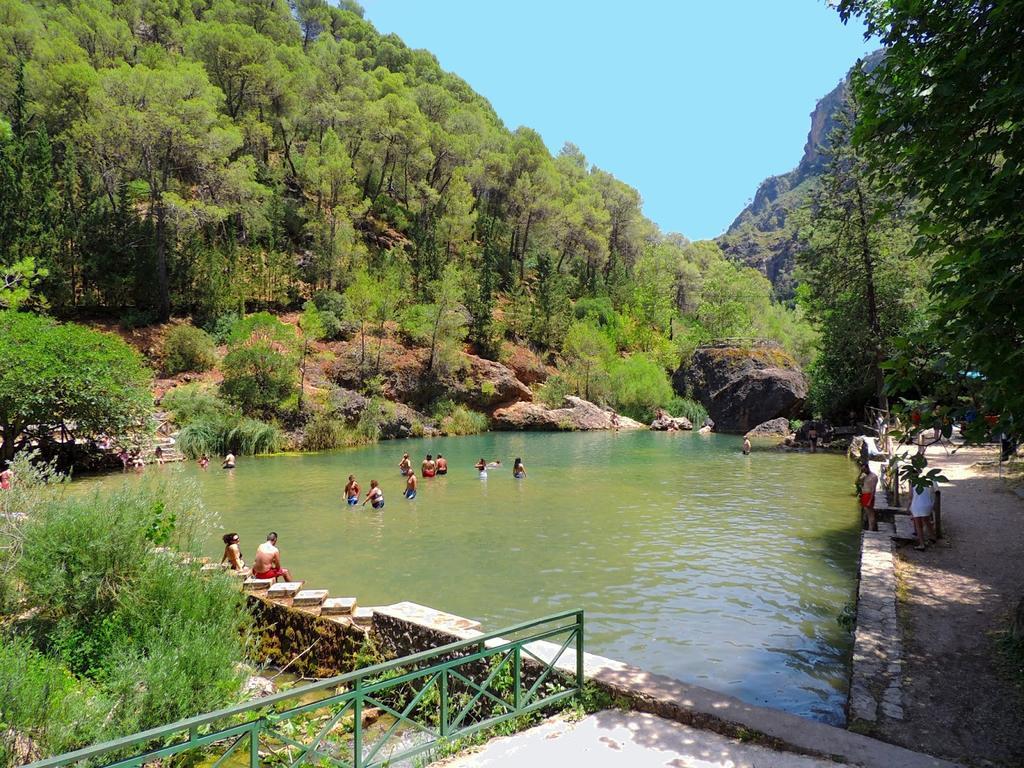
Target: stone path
point(634, 739)
point(876, 680)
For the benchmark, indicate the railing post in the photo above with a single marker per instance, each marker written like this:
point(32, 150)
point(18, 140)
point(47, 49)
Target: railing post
point(517, 678)
point(579, 651)
point(254, 744)
point(357, 725)
point(444, 704)
point(938, 514)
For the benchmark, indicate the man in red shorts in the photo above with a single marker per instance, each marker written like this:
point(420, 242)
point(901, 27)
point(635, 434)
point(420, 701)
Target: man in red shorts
point(267, 564)
point(867, 496)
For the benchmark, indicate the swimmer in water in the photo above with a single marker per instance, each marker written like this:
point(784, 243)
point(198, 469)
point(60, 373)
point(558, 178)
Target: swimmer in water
point(375, 496)
point(410, 486)
point(429, 466)
point(405, 466)
point(746, 446)
point(352, 491)
point(518, 470)
point(442, 465)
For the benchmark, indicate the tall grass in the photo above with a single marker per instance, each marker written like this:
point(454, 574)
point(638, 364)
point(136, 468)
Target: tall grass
point(691, 409)
point(212, 427)
point(459, 420)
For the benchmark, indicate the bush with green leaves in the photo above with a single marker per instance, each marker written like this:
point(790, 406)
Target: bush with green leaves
point(691, 409)
point(65, 375)
point(260, 368)
point(119, 637)
point(639, 386)
point(187, 348)
point(212, 427)
point(457, 419)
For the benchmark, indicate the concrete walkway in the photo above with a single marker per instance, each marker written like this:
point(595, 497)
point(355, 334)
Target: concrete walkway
point(634, 739)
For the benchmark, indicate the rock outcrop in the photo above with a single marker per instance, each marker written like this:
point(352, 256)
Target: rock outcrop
point(396, 420)
point(772, 428)
point(664, 422)
point(742, 387)
point(478, 383)
point(575, 414)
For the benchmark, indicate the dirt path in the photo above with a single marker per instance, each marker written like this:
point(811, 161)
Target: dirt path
point(962, 700)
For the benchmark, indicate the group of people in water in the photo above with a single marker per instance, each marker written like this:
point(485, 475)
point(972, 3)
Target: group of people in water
point(429, 467)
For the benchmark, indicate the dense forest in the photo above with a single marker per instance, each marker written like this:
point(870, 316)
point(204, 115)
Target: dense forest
point(212, 158)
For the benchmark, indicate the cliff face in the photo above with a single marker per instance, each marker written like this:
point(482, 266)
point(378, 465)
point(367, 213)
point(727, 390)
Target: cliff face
point(764, 234)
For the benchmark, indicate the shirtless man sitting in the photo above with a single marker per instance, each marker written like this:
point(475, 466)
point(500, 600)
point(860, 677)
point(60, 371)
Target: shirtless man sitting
point(267, 564)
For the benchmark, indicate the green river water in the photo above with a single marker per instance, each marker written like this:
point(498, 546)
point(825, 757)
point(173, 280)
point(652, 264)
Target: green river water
point(689, 558)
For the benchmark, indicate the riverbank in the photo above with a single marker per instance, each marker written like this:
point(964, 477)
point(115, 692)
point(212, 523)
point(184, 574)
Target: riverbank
point(960, 698)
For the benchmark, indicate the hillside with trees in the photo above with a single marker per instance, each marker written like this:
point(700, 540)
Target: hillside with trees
point(215, 159)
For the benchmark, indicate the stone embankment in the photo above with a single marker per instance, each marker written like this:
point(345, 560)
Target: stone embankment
point(295, 621)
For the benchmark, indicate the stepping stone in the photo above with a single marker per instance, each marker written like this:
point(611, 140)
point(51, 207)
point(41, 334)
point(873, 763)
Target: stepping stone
point(310, 597)
point(253, 585)
point(285, 589)
point(337, 606)
point(362, 616)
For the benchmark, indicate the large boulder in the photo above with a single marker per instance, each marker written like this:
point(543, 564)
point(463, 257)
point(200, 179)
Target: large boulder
point(742, 387)
point(772, 428)
point(575, 414)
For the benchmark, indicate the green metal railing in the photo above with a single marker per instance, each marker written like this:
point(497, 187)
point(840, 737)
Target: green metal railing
point(431, 698)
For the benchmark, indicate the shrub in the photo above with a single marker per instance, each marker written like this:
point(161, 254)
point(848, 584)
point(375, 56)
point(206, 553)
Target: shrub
point(150, 640)
point(639, 386)
point(260, 369)
point(221, 327)
point(187, 348)
point(217, 435)
point(691, 409)
point(459, 420)
point(324, 433)
point(553, 391)
point(193, 401)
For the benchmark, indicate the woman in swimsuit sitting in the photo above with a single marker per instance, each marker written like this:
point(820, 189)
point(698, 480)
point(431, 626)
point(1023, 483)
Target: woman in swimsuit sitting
point(232, 554)
point(375, 496)
point(352, 491)
point(518, 470)
point(429, 467)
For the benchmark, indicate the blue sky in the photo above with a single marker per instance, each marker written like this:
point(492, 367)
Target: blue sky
point(692, 102)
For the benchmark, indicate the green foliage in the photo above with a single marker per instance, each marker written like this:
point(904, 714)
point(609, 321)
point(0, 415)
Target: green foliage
point(861, 287)
point(187, 348)
point(324, 433)
point(587, 352)
point(260, 366)
point(639, 386)
point(119, 638)
point(691, 409)
point(212, 427)
point(938, 121)
point(457, 419)
point(64, 374)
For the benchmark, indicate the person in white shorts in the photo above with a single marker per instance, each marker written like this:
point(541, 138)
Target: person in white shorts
point(922, 503)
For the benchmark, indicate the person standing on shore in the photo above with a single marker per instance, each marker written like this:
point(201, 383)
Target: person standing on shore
point(868, 486)
point(921, 506)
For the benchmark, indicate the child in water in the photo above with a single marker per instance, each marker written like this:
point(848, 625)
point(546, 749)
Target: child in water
point(410, 486)
point(518, 470)
point(352, 491)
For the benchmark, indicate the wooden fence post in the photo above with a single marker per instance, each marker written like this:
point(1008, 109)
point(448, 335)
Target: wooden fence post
point(938, 514)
